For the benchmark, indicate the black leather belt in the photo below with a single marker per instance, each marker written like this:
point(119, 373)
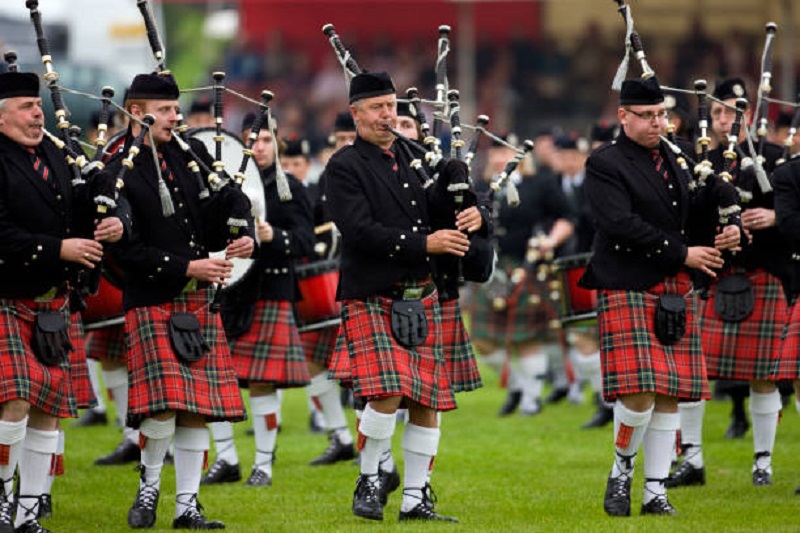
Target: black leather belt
point(410, 292)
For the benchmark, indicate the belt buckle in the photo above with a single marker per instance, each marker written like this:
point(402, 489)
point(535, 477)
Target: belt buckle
point(48, 296)
point(413, 293)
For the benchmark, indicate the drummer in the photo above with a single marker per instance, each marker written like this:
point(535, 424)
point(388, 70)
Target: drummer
point(259, 319)
point(569, 161)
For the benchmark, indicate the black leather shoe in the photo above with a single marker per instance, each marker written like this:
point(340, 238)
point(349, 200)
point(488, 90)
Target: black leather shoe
point(335, 452)
point(658, 506)
point(192, 519)
point(512, 402)
point(31, 526)
point(366, 498)
point(142, 513)
point(259, 478)
point(222, 472)
point(126, 452)
point(737, 429)
point(761, 476)
point(45, 507)
point(602, 417)
point(617, 500)
point(6, 514)
point(556, 395)
point(686, 475)
point(424, 510)
point(91, 417)
point(390, 482)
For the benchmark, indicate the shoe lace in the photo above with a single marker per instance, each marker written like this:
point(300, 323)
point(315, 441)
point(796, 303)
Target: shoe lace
point(368, 487)
point(619, 486)
point(194, 508)
point(655, 486)
point(147, 497)
point(258, 475)
point(216, 467)
point(30, 512)
point(6, 508)
point(661, 502)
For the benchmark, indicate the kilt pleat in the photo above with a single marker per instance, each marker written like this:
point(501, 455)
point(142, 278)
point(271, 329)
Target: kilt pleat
point(107, 344)
point(22, 376)
point(529, 312)
point(379, 366)
point(79, 370)
point(786, 364)
point(159, 382)
point(459, 354)
point(747, 349)
point(319, 344)
point(271, 351)
point(634, 360)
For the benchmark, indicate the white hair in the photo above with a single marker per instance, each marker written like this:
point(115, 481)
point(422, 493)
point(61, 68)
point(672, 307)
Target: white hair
point(3, 104)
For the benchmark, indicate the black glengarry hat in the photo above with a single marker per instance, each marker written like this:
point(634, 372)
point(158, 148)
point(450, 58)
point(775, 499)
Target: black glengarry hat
point(296, 148)
point(641, 92)
point(15, 84)
point(344, 122)
point(370, 85)
point(153, 87)
point(730, 89)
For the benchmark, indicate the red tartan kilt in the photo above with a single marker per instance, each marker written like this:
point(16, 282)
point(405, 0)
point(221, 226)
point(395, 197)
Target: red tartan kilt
point(462, 370)
point(319, 344)
point(787, 362)
point(380, 367)
point(634, 360)
point(107, 344)
point(270, 351)
point(159, 382)
point(22, 376)
point(79, 371)
point(747, 349)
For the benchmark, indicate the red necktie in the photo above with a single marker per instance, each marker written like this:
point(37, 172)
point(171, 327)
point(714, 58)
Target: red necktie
point(391, 159)
point(658, 162)
point(39, 166)
point(165, 172)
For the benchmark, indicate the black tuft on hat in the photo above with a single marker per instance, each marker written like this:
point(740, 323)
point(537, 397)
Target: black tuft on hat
point(344, 122)
point(200, 105)
point(370, 85)
point(784, 119)
point(153, 87)
point(730, 89)
point(603, 132)
point(14, 84)
point(641, 92)
point(297, 148)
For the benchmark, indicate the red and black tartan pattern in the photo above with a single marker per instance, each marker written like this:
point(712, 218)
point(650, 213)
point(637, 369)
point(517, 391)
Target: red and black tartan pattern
point(634, 360)
point(530, 314)
point(747, 349)
point(22, 376)
point(319, 344)
point(159, 382)
point(107, 344)
point(459, 353)
point(79, 371)
point(786, 364)
point(271, 351)
point(380, 367)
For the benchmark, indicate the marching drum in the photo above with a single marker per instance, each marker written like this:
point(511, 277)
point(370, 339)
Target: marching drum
point(318, 309)
point(578, 305)
point(103, 309)
point(252, 186)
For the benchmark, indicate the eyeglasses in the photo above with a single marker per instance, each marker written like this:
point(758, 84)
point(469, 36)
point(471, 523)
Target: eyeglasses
point(649, 116)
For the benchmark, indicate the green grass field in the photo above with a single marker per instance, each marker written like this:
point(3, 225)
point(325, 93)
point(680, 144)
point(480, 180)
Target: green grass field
point(516, 474)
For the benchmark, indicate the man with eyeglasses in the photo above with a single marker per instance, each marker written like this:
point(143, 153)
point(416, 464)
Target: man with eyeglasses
point(742, 346)
point(650, 340)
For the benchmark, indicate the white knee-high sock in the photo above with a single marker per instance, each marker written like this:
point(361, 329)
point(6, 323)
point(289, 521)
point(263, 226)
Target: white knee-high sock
point(327, 394)
point(658, 443)
point(495, 360)
point(117, 384)
point(589, 369)
point(94, 378)
point(377, 428)
point(38, 449)
point(764, 410)
point(691, 414)
point(191, 447)
point(157, 438)
point(12, 435)
point(265, 424)
point(629, 429)
point(533, 368)
point(223, 442)
point(420, 445)
point(56, 465)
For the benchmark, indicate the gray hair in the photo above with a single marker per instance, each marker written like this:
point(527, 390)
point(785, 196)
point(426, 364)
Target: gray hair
point(3, 104)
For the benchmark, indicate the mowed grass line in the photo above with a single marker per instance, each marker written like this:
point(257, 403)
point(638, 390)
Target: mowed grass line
point(540, 473)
